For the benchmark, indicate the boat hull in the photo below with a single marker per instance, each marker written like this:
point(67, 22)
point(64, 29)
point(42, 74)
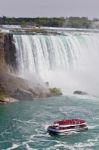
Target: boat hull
point(61, 132)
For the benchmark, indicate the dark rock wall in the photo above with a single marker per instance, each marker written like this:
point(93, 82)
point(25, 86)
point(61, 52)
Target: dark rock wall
point(1, 48)
point(10, 51)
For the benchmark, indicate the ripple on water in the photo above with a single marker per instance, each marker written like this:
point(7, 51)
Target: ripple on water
point(27, 131)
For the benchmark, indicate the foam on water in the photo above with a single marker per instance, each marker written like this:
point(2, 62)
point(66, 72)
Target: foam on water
point(13, 147)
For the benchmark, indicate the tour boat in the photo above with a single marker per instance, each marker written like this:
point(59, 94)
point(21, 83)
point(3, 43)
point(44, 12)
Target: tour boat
point(67, 126)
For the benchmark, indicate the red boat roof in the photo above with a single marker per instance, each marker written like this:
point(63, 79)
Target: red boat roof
point(69, 122)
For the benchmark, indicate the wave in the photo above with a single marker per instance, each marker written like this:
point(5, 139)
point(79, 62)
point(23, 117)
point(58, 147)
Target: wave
point(13, 147)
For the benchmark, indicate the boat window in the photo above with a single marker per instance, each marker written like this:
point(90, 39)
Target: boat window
point(70, 127)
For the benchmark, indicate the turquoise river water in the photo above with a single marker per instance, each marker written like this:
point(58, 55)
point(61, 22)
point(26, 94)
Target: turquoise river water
point(23, 124)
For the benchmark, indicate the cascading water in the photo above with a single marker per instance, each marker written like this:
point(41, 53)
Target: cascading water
point(69, 60)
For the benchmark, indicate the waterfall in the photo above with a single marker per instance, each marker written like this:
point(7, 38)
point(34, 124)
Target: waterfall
point(68, 60)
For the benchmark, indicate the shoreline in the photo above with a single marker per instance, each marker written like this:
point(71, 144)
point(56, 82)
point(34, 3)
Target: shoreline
point(8, 100)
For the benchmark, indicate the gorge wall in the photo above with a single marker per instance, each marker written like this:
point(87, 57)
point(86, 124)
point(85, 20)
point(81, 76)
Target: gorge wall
point(10, 51)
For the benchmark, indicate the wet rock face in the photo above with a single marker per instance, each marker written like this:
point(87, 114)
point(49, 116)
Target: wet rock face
point(18, 88)
point(80, 92)
point(10, 51)
point(1, 48)
point(22, 94)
